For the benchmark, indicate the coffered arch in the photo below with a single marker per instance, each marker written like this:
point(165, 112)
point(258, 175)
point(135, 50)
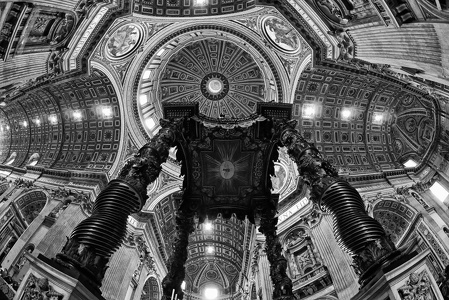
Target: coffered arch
point(30, 204)
point(151, 289)
point(122, 108)
point(396, 218)
point(69, 124)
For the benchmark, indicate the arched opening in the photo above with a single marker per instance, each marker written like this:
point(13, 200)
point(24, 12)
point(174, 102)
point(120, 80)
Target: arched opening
point(396, 218)
point(30, 205)
point(150, 290)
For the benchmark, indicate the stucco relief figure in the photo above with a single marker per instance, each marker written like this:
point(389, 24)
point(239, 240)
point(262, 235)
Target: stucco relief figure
point(63, 29)
point(304, 260)
point(39, 289)
point(369, 204)
point(332, 11)
point(410, 124)
point(346, 45)
point(281, 34)
point(416, 288)
point(123, 41)
point(278, 180)
point(295, 237)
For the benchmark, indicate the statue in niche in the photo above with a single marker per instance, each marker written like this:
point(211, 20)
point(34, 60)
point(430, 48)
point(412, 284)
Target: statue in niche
point(416, 288)
point(55, 61)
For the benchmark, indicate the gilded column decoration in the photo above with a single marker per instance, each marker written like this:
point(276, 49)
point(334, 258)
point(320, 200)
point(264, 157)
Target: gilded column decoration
point(185, 225)
point(357, 233)
point(95, 239)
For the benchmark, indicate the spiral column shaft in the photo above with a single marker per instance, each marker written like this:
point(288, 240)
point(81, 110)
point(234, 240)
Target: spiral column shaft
point(355, 231)
point(352, 225)
point(96, 238)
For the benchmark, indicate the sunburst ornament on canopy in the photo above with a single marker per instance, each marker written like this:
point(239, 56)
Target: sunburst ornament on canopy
point(226, 168)
point(220, 75)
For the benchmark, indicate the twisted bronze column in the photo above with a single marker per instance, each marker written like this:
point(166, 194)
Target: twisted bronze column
point(357, 233)
point(283, 286)
point(96, 238)
point(185, 225)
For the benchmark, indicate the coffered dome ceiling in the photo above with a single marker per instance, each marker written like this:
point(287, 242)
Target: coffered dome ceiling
point(224, 68)
point(222, 77)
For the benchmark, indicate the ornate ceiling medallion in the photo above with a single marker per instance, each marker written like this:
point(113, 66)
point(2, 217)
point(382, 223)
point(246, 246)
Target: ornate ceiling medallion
point(214, 86)
point(281, 34)
point(124, 41)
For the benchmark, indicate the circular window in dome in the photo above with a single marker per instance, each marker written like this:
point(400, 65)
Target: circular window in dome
point(124, 41)
point(281, 34)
